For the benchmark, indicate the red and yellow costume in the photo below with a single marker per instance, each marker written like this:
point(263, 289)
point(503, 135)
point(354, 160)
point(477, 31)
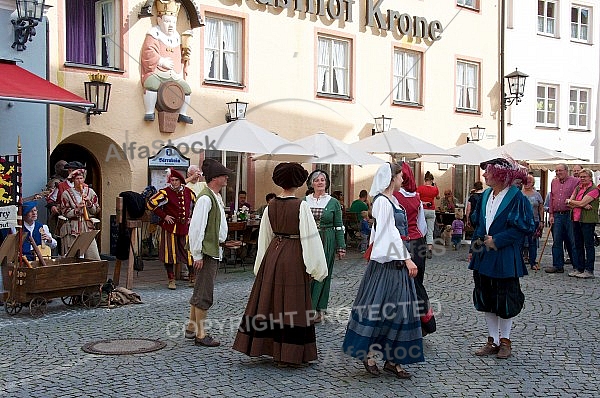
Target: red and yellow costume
point(174, 244)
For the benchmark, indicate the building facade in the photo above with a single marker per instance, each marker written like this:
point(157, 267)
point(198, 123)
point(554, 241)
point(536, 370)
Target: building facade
point(556, 43)
point(303, 66)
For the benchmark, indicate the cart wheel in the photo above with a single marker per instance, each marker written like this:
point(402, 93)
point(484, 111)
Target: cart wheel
point(12, 307)
point(37, 307)
point(71, 301)
point(90, 297)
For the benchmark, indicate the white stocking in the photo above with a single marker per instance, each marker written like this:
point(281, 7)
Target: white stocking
point(505, 325)
point(186, 103)
point(150, 98)
point(492, 323)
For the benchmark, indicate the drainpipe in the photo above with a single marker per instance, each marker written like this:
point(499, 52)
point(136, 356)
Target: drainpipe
point(501, 76)
point(597, 124)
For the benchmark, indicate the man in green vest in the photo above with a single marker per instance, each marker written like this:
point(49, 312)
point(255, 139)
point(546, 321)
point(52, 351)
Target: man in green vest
point(208, 230)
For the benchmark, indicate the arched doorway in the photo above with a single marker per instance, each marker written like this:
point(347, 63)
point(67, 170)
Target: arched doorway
point(73, 152)
point(107, 175)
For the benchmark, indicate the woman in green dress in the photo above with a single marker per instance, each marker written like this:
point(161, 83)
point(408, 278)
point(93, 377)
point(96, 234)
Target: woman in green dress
point(327, 212)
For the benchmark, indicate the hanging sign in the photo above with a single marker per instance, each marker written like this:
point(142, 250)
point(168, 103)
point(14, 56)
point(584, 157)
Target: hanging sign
point(8, 179)
point(8, 216)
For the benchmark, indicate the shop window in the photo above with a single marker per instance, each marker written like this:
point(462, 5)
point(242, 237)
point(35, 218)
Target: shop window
point(92, 32)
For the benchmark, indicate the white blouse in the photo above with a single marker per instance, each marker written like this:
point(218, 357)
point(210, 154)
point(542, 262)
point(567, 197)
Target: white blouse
point(312, 248)
point(387, 243)
point(493, 204)
point(318, 203)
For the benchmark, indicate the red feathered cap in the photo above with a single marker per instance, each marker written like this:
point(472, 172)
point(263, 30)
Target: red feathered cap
point(171, 172)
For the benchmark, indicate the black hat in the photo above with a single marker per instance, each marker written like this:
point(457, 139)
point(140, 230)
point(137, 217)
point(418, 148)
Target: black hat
point(212, 169)
point(289, 175)
point(314, 175)
point(500, 162)
point(74, 165)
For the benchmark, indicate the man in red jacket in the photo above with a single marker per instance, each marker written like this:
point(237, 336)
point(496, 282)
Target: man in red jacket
point(174, 205)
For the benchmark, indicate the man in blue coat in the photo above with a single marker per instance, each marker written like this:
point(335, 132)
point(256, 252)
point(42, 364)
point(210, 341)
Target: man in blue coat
point(503, 217)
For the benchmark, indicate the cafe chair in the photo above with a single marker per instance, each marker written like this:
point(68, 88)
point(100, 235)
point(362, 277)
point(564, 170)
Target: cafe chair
point(233, 254)
point(352, 228)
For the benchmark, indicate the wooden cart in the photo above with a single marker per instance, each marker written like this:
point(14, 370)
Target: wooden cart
point(77, 281)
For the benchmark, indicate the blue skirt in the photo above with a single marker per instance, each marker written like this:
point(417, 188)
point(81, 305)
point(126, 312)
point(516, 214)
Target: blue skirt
point(385, 316)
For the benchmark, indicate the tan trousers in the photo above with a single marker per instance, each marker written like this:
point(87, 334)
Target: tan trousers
point(196, 322)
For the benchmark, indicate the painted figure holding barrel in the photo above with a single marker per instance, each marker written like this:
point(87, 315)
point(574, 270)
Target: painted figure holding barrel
point(164, 58)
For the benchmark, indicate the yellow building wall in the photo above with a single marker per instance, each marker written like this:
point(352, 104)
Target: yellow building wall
point(280, 87)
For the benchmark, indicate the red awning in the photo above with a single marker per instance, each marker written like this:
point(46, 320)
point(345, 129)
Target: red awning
point(18, 84)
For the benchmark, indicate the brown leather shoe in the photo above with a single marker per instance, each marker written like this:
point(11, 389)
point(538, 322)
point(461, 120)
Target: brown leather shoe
point(505, 349)
point(490, 348)
point(207, 341)
point(372, 369)
point(397, 370)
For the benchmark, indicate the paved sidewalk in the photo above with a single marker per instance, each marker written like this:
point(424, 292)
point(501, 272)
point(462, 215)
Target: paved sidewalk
point(555, 342)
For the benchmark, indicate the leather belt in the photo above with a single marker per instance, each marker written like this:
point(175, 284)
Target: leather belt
point(287, 236)
point(562, 212)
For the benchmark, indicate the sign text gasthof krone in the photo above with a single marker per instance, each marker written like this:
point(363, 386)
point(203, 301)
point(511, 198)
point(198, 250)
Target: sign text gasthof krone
point(375, 17)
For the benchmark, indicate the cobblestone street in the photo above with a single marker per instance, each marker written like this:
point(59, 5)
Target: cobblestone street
point(555, 340)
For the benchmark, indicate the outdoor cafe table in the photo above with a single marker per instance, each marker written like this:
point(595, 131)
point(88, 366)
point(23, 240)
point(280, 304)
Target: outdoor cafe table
point(239, 231)
point(444, 217)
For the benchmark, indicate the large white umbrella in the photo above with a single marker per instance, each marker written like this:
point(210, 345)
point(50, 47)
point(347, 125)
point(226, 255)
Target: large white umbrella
point(240, 136)
point(327, 150)
point(551, 165)
point(469, 154)
point(523, 150)
point(398, 143)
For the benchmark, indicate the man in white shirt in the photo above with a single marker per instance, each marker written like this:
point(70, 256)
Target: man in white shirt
point(207, 232)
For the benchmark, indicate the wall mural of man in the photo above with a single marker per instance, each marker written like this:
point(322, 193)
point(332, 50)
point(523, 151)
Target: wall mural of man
point(163, 59)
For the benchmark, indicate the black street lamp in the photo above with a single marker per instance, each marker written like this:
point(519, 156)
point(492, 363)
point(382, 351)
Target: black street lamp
point(236, 110)
point(29, 13)
point(516, 87)
point(476, 134)
point(382, 124)
point(97, 91)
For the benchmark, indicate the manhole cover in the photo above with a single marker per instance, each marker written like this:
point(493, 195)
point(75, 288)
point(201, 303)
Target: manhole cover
point(123, 346)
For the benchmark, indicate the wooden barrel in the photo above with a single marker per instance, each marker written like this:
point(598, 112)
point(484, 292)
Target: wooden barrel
point(170, 97)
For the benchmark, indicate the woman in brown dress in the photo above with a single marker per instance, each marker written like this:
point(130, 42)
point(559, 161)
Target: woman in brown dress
point(279, 319)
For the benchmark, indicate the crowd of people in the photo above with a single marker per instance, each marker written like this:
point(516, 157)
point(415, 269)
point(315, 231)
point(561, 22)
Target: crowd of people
point(300, 237)
point(72, 209)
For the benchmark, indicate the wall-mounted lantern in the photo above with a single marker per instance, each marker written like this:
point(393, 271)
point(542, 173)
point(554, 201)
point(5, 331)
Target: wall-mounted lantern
point(29, 13)
point(382, 124)
point(476, 134)
point(236, 110)
point(97, 91)
point(516, 87)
